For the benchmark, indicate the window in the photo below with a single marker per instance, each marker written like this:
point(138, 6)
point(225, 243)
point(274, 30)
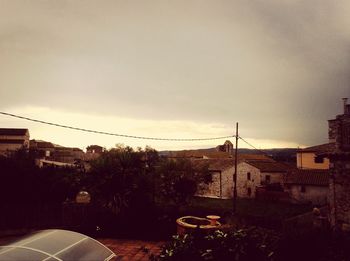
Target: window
point(303, 189)
point(267, 179)
point(319, 159)
point(249, 192)
point(248, 176)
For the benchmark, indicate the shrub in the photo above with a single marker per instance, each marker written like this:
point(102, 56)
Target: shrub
point(239, 245)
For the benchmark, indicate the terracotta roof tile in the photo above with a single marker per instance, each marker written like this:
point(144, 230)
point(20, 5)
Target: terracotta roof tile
point(269, 166)
point(14, 132)
point(215, 164)
point(328, 147)
point(11, 141)
point(308, 177)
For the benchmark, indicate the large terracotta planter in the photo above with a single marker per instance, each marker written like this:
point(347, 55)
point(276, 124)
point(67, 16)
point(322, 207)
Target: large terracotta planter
point(188, 224)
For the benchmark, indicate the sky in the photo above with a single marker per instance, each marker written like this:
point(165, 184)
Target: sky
point(175, 69)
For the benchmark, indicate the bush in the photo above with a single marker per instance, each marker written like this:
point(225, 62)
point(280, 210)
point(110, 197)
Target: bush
point(240, 245)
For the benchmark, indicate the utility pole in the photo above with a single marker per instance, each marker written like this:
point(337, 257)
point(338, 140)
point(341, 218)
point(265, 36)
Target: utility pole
point(235, 174)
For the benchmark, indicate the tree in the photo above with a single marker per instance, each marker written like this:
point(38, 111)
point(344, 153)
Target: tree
point(120, 177)
point(178, 179)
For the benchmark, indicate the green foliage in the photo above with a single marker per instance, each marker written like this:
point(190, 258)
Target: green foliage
point(25, 183)
point(239, 245)
point(31, 196)
point(178, 179)
point(122, 176)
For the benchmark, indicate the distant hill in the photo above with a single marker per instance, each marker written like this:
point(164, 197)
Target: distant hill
point(280, 154)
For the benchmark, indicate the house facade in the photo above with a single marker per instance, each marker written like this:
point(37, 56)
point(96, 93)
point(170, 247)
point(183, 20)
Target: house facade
point(93, 152)
point(56, 155)
point(308, 186)
point(307, 158)
point(252, 174)
point(222, 178)
point(13, 139)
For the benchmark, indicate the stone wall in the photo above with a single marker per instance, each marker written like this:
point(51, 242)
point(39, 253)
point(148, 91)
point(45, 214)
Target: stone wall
point(218, 189)
point(317, 195)
point(339, 197)
point(9, 147)
point(244, 185)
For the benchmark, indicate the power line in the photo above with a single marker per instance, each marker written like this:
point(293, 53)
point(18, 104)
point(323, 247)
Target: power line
point(251, 145)
point(112, 134)
point(263, 152)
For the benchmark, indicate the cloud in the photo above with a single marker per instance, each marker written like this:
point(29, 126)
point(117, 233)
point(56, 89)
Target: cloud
point(127, 126)
point(277, 67)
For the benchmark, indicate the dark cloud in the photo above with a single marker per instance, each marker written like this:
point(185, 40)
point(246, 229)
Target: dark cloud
point(278, 67)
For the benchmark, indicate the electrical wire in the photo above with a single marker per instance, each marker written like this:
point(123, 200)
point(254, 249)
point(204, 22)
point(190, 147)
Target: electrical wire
point(263, 152)
point(113, 134)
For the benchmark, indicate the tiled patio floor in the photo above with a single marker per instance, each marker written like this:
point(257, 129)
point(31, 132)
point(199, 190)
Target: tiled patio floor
point(132, 249)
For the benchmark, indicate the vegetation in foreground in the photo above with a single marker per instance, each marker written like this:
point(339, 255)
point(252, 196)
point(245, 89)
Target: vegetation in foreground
point(252, 243)
point(129, 188)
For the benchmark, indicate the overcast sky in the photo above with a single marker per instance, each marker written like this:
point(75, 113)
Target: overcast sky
point(175, 69)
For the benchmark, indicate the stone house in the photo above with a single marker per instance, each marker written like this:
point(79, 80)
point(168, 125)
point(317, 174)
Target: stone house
point(252, 174)
point(222, 172)
point(94, 149)
point(51, 153)
point(339, 196)
point(13, 139)
point(307, 158)
point(93, 152)
point(226, 147)
point(307, 186)
point(44, 148)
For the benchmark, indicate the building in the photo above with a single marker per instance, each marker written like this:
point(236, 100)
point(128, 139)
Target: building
point(44, 148)
point(197, 154)
point(254, 174)
point(339, 196)
point(251, 171)
point(307, 158)
point(13, 139)
point(93, 152)
point(308, 186)
point(94, 149)
point(226, 147)
point(53, 154)
point(222, 172)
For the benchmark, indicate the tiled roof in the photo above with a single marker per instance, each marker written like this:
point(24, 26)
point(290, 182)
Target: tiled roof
point(13, 132)
point(11, 141)
point(268, 166)
point(314, 177)
point(199, 154)
point(94, 147)
point(225, 163)
point(41, 144)
point(210, 154)
point(254, 157)
point(215, 164)
point(328, 147)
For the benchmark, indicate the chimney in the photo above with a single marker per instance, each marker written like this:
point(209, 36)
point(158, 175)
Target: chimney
point(346, 106)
